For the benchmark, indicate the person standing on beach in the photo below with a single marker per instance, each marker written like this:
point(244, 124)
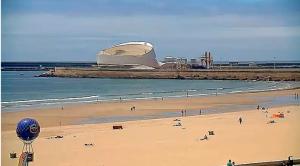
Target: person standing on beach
point(200, 112)
point(182, 113)
point(240, 120)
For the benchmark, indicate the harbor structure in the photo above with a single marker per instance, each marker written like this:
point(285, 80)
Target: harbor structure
point(207, 60)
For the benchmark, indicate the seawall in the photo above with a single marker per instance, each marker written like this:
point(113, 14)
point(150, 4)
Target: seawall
point(216, 74)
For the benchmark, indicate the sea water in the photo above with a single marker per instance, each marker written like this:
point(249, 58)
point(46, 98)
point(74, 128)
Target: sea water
point(21, 90)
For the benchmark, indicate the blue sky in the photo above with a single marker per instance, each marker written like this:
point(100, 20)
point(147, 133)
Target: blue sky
point(75, 30)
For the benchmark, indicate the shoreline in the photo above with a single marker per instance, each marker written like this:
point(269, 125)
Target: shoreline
point(89, 113)
point(116, 100)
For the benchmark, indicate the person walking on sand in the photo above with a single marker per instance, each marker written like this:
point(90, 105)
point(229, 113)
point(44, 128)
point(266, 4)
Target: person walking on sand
point(240, 120)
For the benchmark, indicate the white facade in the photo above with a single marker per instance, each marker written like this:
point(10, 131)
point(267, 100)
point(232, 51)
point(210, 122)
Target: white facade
point(131, 53)
point(182, 60)
point(170, 59)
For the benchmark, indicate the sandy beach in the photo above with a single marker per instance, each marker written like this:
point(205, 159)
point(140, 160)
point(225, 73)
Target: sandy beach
point(158, 141)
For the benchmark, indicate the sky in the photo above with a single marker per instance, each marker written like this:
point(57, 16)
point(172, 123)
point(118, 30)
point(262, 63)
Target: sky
point(75, 30)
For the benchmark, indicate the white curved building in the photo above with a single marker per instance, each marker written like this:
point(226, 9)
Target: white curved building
point(131, 53)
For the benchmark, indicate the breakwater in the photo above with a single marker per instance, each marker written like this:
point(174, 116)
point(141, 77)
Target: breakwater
point(211, 74)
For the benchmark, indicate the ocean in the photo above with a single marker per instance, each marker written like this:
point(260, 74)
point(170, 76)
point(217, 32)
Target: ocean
point(21, 90)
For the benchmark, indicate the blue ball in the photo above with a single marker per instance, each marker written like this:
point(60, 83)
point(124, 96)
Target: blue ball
point(28, 129)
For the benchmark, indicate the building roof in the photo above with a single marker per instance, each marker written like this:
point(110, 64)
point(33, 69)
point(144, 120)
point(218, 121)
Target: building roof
point(130, 48)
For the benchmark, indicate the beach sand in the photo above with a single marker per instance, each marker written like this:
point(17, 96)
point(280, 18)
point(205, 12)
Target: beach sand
point(158, 141)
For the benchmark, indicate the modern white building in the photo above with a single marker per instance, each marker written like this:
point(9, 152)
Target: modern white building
point(131, 53)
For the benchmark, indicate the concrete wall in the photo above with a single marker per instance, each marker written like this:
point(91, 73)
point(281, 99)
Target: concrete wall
point(234, 74)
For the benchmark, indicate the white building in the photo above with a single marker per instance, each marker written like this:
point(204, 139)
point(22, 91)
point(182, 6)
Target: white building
point(131, 53)
point(182, 60)
point(170, 59)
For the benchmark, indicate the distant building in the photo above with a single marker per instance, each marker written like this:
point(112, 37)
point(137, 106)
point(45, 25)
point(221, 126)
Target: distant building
point(170, 59)
point(131, 53)
point(193, 61)
point(181, 60)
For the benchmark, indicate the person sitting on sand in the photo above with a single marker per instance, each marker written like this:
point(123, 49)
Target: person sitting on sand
point(178, 124)
point(229, 163)
point(204, 138)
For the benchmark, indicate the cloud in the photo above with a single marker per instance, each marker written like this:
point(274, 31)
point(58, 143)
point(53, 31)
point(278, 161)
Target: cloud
point(224, 26)
point(66, 31)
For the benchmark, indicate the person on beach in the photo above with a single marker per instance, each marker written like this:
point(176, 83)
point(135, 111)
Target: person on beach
point(200, 112)
point(132, 108)
point(182, 113)
point(233, 163)
point(229, 163)
point(257, 107)
point(204, 138)
point(240, 120)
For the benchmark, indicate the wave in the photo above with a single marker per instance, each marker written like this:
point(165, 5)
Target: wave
point(43, 100)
